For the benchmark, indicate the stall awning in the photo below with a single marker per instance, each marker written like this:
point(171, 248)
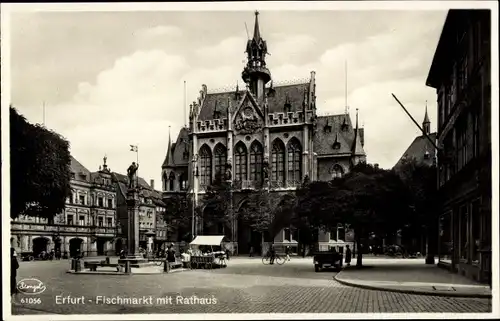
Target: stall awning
point(207, 240)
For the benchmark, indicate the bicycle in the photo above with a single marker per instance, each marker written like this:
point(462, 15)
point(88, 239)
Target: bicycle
point(278, 259)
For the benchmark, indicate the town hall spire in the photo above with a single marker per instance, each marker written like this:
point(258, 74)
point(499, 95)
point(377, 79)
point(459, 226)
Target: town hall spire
point(426, 124)
point(255, 73)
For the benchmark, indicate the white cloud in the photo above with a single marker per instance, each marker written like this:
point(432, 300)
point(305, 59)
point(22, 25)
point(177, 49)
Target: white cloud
point(159, 31)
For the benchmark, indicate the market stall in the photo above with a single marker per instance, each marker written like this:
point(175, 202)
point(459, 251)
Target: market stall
point(207, 252)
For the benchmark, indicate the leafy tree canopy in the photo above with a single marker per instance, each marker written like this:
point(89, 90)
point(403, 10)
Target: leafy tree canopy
point(40, 169)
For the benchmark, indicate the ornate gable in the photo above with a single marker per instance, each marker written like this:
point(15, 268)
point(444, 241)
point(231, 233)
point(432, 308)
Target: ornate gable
point(248, 118)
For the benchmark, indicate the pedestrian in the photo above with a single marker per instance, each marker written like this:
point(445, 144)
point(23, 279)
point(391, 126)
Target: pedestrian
point(14, 265)
point(287, 252)
point(348, 255)
point(171, 253)
point(251, 251)
point(272, 253)
point(227, 253)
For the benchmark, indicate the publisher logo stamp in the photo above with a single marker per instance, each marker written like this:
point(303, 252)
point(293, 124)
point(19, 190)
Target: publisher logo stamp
point(31, 286)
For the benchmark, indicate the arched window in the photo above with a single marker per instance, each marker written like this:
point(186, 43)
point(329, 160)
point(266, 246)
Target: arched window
point(240, 162)
point(220, 154)
point(183, 182)
point(256, 161)
point(205, 166)
point(171, 181)
point(165, 182)
point(278, 161)
point(337, 171)
point(294, 161)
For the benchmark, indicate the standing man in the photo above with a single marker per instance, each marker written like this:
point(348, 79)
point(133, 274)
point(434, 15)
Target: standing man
point(14, 265)
point(272, 252)
point(287, 252)
point(348, 255)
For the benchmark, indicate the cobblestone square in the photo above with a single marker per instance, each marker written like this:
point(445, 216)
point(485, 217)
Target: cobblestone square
point(245, 286)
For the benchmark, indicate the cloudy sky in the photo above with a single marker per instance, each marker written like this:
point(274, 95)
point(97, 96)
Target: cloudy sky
point(111, 79)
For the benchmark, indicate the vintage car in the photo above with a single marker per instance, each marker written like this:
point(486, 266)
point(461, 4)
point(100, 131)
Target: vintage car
point(328, 259)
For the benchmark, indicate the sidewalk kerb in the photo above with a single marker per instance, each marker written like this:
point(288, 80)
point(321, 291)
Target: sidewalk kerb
point(410, 291)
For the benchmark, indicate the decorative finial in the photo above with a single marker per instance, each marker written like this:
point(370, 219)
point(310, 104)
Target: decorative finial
point(256, 12)
point(105, 159)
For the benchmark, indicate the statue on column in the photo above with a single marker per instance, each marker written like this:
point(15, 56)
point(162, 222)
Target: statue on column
point(228, 174)
point(265, 169)
point(132, 175)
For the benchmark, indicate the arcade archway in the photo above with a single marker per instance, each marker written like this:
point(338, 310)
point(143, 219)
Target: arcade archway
point(40, 244)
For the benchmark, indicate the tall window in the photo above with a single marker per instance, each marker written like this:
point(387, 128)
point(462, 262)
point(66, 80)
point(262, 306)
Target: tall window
point(240, 161)
point(100, 221)
point(70, 219)
point(256, 161)
point(82, 220)
point(82, 199)
point(110, 203)
point(462, 144)
point(294, 161)
point(100, 201)
point(475, 135)
point(110, 221)
point(464, 235)
point(220, 158)
point(337, 171)
point(171, 180)
point(205, 166)
point(165, 181)
point(278, 161)
point(183, 182)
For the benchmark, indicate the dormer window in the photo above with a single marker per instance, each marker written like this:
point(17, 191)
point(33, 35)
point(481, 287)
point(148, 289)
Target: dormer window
point(345, 125)
point(185, 155)
point(328, 128)
point(336, 145)
point(216, 114)
point(427, 155)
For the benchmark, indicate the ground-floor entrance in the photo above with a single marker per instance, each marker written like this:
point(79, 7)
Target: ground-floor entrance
point(40, 244)
point(75, 246)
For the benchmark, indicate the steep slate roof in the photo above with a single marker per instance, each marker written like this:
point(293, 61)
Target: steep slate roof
point(219, 101)
point(323, 140)
point(77, 168)
point(145, 191)
point(175, 155)
point(418, 148)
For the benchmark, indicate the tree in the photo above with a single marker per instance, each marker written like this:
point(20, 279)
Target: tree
point(40, 169)
point(420, 179)
point(367, 198)
point(179, 215)
point(217, 203)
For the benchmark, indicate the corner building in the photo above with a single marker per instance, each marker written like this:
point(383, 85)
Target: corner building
point(461, 74)
point(263, 136)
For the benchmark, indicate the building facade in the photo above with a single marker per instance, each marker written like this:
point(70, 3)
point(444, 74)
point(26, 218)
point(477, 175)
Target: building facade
point(262, 136)
point(461, 75)
point(152, 226)
point(88, 223)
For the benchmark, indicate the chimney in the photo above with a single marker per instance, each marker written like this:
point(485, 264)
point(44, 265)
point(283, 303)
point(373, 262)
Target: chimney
point(375, 165)
point(152, 183)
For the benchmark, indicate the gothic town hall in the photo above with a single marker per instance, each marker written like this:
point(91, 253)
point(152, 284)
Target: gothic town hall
point(262, 134)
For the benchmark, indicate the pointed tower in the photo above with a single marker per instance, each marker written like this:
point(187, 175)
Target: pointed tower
point(355, 142)
point(255, 73)
point(426, 124)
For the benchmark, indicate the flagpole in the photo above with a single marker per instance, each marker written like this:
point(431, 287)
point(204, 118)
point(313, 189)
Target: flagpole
point(137, 155)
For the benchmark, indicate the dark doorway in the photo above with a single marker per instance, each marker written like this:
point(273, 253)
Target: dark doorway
point(100, 246)
point(40, 244)
point(75, 245)
point(118, 246)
